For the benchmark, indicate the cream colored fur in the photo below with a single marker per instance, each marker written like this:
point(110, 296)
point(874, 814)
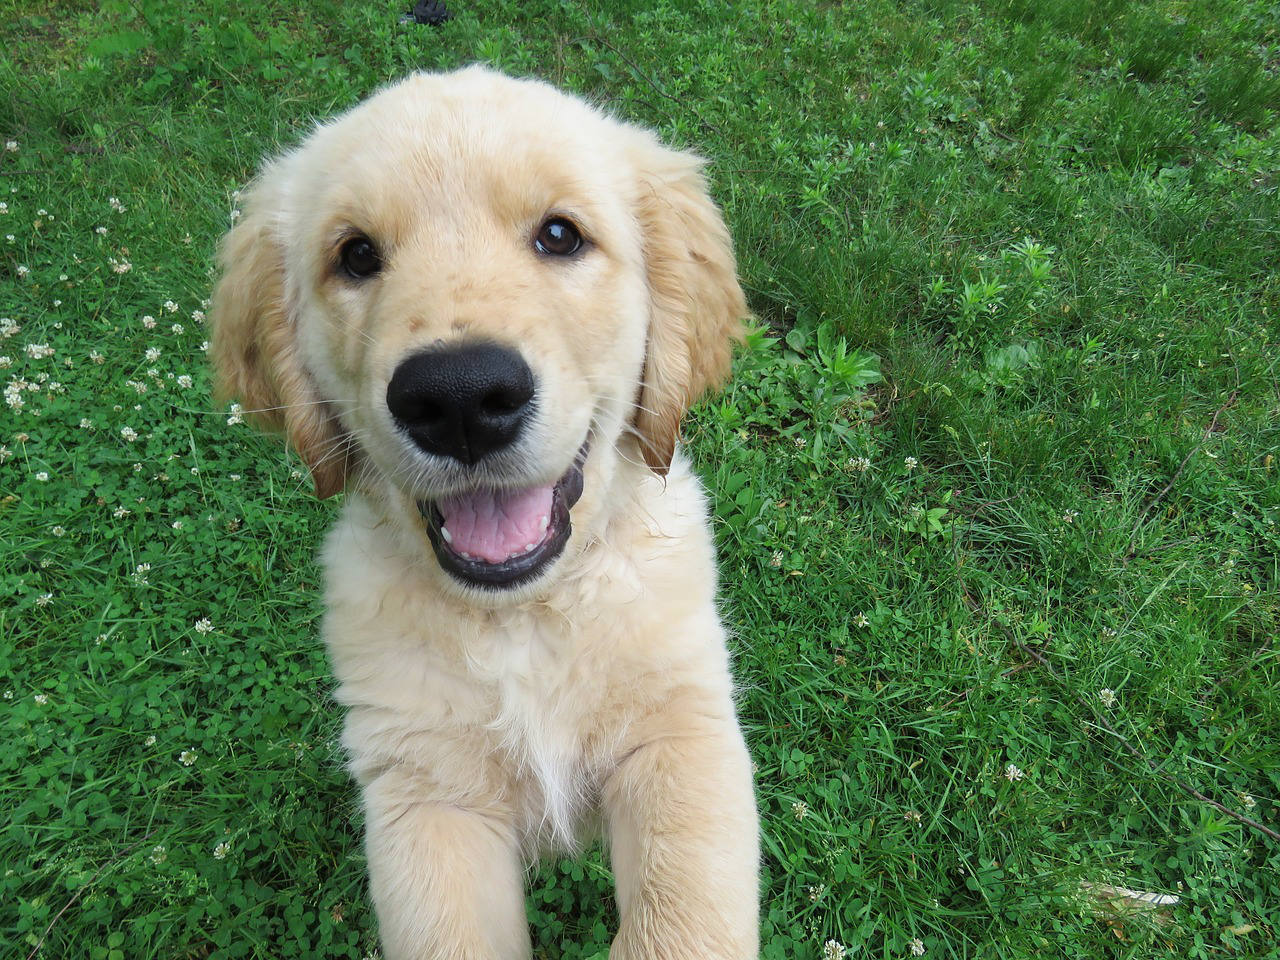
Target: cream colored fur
point(486, 727)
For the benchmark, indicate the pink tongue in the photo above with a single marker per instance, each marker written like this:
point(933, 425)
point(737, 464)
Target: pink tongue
point(492, 525)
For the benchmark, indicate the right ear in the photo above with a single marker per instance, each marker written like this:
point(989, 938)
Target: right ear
point(254, 346)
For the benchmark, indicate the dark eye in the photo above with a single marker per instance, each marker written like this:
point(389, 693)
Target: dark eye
point(360, 257)
point(558, 237)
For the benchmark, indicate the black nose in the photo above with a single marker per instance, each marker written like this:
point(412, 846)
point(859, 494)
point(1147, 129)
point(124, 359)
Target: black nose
point(462, 401)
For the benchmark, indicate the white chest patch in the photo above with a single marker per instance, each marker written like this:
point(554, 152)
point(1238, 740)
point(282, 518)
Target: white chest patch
point(538, 724)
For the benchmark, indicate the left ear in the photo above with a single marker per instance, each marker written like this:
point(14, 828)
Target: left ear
point(696, 306)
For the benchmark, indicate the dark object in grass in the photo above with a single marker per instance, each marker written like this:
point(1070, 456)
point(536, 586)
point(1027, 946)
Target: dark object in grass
point(433, 12)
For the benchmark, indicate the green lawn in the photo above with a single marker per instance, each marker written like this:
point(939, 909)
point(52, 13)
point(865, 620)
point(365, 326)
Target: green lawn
point(963, 595)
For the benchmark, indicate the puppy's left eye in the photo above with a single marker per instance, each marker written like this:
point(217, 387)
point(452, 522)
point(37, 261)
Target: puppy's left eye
point(558, 237)
point(360, 258)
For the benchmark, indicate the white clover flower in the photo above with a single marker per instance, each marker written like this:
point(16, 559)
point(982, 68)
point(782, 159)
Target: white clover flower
point(6, 363)
point(815, 893)
point(129, 434)
point(176, 329)
point(4, 208)
point(158, 854)
point(38, 351)
point(8, 694)
point(1070, 516)
point(41, 699)
point(116, 205)
point(58, 530)
point(177, 524)
point(1107, 696)
point(23, 269)
point(121, 512)
point(86, 423)
point(221, 850)
point(911, 463)
point(119, 266)
point(170, 306)
point(913, 817)
point(152, 354)
point(776, 559)
point(184, 381)
point(917, 947)
point(96, 357)
point(44, 599)
point(150, 741)
point(205, 346)
point(203, 625)
point(1248, 801)
point(799, 809)
point(43, 476)
point(833, 950)
point(5, 453)
point(237, 412)
point(1013, 774)
point(861, 620)
point(100, 231)
point(197, 316)
point(149, 322)
point(187, 758)
point(859, 464)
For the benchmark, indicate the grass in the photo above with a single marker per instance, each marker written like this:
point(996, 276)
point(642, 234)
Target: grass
point(1055, 226)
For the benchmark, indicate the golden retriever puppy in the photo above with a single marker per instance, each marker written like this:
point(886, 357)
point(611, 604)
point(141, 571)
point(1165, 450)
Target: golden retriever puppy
point(481, 307)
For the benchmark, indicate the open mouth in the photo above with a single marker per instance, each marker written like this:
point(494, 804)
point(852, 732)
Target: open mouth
point(499, 539)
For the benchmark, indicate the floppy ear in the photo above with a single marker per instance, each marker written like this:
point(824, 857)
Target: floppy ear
point(696, 306)
point(254, 345)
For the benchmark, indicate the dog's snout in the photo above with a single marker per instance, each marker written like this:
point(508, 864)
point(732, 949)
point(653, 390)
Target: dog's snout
point(462, 401)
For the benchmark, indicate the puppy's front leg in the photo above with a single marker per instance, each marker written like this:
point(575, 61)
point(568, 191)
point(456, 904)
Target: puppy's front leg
point(683, 832)
point(447, 882)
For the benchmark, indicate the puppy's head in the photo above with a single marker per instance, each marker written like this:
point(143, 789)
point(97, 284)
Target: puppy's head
point(480, 300)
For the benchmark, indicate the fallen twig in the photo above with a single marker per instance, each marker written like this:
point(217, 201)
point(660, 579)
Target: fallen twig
point(89, 883)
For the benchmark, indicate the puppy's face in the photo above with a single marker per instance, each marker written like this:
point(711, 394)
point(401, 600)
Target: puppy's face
point(475, 297)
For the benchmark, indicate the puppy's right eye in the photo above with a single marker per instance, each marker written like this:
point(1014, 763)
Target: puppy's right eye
point(360, 258)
